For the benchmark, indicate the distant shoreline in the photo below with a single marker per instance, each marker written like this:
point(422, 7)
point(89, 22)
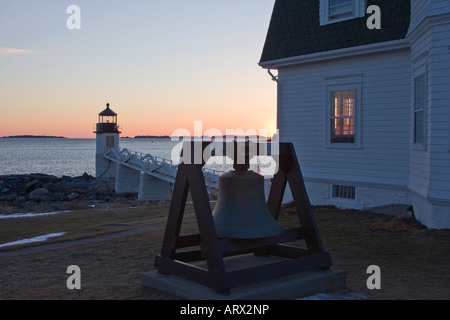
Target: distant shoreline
point(60, 137)
point(128, 137)
point(149, 137)
point(33, 136)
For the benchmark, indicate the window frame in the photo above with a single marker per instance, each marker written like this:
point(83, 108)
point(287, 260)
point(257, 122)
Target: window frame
point(421, 70)
point(345, 118)
point(358, 11)
point(420, 107)
point(344, 192)
point(344, 83)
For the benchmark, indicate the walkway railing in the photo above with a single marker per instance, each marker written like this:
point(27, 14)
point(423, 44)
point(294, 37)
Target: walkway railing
point(158, 167)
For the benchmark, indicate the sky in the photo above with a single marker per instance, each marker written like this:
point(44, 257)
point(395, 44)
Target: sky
point(161, 64)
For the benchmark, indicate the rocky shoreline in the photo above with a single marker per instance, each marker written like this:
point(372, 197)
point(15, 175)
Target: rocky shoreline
point(37, 192)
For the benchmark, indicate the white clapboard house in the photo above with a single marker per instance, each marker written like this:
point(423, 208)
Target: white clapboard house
point(367, 109)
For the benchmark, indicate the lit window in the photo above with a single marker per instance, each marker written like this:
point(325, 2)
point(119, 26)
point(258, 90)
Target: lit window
point(343, 110)
point(420, 100)
point(343, 116)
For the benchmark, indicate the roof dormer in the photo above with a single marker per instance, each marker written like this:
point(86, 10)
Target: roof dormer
point(332, 11)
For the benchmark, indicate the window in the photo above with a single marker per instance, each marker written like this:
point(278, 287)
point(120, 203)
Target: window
point(340, 8)
point(332, 11)
point(110, 141)
point(344, 192)
point(343, 110)
point(343, 116)
point(420, 101)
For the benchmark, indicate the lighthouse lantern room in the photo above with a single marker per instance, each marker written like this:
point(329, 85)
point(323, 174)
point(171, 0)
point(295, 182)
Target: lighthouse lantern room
point(107, 121)
point(107, 137)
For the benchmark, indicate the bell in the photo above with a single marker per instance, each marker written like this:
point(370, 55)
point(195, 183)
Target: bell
point(241, 211)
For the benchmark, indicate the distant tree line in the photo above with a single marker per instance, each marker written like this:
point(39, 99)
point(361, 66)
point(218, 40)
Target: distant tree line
point(33, 136)
point(150, 137)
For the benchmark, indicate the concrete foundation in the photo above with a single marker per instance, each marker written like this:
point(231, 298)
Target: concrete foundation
point(367, 195)
point(127, 180)
point(433, 213)
point(153, 189)
point(284, 288)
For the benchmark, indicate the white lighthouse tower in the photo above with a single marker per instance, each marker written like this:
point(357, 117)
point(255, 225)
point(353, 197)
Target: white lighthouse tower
point(107, 136)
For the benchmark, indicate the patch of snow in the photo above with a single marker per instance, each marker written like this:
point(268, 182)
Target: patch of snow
point(30, 215)
point(35, 239)
point(211, 201)
point(335, 296)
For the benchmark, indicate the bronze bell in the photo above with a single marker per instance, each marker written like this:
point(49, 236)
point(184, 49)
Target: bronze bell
point(241, 211)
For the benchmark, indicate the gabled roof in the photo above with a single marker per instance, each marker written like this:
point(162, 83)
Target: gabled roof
point(295, 28)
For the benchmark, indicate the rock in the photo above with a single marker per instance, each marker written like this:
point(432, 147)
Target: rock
point(56, 187)
point(30, 204)
point(30, 191)
point(30, 186)
point(104, 193)
point(72, 196)
point(44, 178)
point(21, 199)
point(86, 176)
point(79, 191)
point(59, 205)
point(12, 197)
point(6, 190)
point(56, 196)
point(39, 198)
point(39, 192)
point(49, 179)
point(38, 195)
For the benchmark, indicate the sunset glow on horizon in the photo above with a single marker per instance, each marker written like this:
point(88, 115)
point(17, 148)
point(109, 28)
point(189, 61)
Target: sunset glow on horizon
point(162, 66)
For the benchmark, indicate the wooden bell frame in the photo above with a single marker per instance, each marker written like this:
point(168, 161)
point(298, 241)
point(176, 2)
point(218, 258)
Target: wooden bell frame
point(205, 246)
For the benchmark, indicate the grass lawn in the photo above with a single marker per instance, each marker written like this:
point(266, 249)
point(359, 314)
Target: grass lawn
point(413, 260)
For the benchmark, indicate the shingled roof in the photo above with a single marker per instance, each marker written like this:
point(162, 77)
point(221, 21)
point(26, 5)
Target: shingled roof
point(295, 28)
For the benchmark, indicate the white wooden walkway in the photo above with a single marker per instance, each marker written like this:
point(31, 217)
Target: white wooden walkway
point(158, 167)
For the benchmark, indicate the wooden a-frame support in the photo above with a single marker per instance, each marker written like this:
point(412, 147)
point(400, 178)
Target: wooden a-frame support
point(172, 260)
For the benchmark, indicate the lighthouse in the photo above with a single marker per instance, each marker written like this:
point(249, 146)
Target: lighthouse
point(107, 137)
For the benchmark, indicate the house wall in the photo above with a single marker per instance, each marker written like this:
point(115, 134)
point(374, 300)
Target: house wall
point(419, 9)
point(420, 161)
point(439, 69)
point(438, 7)
point(429, 36)
point(378, 167)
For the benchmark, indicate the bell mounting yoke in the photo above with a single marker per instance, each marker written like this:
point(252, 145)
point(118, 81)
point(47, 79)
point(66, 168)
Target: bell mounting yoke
point(201, 257)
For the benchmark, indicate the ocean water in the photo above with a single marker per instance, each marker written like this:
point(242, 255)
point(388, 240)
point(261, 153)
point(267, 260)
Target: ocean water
point(71, 157)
